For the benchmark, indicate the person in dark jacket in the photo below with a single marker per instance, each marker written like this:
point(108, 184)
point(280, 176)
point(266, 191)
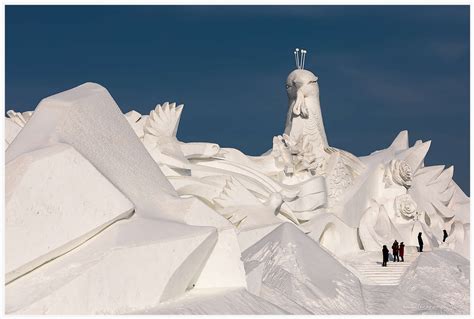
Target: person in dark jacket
point(420, 242)
point(395, 251)
point(401, 251)
point(445, 235)
point(385, 255)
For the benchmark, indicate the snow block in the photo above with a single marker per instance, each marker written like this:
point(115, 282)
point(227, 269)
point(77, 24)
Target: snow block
point(250, 236)
point(132, 265)
point(297, 271)
point(87, 118)
point(55, 200)
point(224, 268)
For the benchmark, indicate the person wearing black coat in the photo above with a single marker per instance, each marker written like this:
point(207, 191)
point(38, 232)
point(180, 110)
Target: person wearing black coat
point(445, 235)
point(385, 255)
point(420, 242)
point(395, 251)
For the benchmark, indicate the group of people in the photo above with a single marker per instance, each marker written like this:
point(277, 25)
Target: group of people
point(398, 251)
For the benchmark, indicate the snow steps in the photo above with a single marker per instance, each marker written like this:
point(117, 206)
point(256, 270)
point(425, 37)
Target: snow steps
point(372, 273)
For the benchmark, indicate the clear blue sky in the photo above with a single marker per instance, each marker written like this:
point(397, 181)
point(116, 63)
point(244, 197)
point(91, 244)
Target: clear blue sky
point(381, 69)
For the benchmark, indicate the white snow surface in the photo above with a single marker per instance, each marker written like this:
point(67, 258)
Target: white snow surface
point(434, 282)
point(438, 283)
point(55, 200)
point(130, 266)
point(87, 118)
point(11, 130)
point(300, 276)
point(216, 302)
point(224, 268)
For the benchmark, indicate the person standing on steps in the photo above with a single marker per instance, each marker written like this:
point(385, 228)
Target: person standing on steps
point(420, 242)
point(445, 235)
point(402, 250)
point(385, 255)
point(395, 251)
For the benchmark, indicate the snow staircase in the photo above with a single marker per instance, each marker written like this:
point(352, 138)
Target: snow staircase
point(372, 273)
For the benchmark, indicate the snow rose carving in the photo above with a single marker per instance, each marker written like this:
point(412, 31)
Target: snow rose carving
point(405, 206)
point(401, 173)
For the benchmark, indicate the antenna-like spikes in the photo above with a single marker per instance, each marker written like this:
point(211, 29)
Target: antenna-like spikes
point(303, 58)
point(297, 57)
point(300, 59)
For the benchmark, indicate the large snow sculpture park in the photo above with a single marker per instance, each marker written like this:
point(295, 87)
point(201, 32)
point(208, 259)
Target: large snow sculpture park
point(109, 213)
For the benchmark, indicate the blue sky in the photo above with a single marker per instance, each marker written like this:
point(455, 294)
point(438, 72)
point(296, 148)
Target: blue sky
point(382, 69)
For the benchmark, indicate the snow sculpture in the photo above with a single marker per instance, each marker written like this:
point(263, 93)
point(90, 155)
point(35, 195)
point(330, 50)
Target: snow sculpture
point(74, 201)
point(302, 176)
point(303, 149)
point(131, 265)
point(170, 217)
point(88, 119)
point(300, 279)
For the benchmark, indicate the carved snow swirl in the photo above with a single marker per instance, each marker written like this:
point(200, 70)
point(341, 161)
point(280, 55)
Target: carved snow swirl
point(401, 173)
point(405, 206)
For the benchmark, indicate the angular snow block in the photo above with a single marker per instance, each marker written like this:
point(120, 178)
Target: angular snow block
point(132, 265)
point(224, 268)
point(254, 279)
point(297, 271)
point(250, 236)
point(55, 200)
point(87, 118)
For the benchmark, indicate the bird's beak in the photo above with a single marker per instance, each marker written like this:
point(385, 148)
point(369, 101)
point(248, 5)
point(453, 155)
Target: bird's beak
point(299, 102)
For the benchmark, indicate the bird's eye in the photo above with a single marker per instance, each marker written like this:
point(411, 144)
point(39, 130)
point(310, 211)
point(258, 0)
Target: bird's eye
point(312, 81)
point(287, 86)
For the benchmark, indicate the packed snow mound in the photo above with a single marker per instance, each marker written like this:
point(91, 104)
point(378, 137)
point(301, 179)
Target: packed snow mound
point(216, 302)
point(55, 200)
point(87, 118)
point(132, 265)
point(437, 283)
point(300, 276)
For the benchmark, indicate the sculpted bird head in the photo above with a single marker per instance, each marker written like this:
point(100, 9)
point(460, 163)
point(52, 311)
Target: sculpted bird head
point(301, 84)
point(302, 81)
